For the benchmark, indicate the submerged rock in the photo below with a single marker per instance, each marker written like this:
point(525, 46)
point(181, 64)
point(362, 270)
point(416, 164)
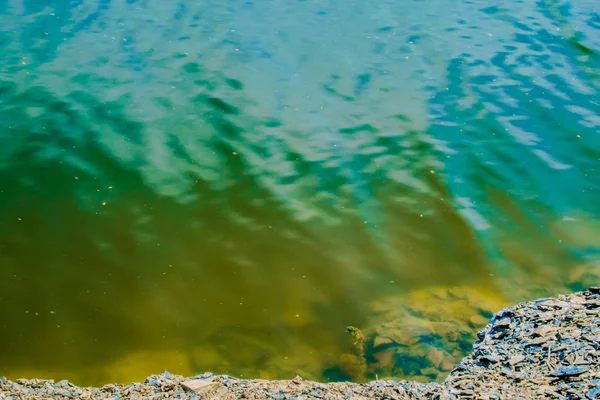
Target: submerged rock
point(428, 328)
point(566, 367)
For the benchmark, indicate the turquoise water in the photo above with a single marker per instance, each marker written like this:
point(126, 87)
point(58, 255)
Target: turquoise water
point(226, 185)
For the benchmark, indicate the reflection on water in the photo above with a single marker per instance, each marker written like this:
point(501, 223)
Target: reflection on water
point(227, 186)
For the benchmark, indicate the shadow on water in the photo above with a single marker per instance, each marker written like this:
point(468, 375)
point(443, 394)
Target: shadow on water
point(226, 187)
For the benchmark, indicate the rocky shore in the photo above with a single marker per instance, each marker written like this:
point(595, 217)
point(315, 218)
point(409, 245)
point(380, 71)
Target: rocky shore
point(547, 349)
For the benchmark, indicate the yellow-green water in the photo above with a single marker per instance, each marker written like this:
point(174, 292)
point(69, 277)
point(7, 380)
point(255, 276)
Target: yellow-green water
point(226, 186)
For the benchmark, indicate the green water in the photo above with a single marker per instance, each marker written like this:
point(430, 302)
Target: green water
point(226, 186)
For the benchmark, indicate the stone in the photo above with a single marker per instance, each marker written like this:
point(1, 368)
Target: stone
point(446, 365)
point(516, 359)
point(594, 289)
point(539, 341)
point(543, 330)
point(565, 372)
point(199, 385)
point(594, 393)
point(384, 358)
point(478, 321)
point(592, 303)
point(435, 356)
point(502, 323)
point(431, 371)
point(490, 358)
point(381, 341)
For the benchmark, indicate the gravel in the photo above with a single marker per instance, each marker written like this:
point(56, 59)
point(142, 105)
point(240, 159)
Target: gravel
point(547, 349)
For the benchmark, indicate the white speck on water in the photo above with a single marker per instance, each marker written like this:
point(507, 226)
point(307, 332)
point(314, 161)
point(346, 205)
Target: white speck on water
point(297, 315)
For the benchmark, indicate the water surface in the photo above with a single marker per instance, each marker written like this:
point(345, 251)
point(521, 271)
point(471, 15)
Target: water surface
point(226, 186)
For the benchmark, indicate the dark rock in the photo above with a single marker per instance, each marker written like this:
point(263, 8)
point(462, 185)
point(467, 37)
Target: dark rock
point(592, 303)
point(507, 312)
point(481, 335)
point(565, 372)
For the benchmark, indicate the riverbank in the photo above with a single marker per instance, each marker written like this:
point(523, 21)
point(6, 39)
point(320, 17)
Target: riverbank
point(547, 348)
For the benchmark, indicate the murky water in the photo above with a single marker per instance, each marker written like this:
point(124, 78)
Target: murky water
point(226, 186)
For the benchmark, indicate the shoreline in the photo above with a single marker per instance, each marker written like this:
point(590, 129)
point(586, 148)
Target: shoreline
point(546, 348)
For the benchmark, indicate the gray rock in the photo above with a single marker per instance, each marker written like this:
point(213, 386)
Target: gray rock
point(565, 372)
point(594, 393)
point(503, 323)
point(489, 358)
